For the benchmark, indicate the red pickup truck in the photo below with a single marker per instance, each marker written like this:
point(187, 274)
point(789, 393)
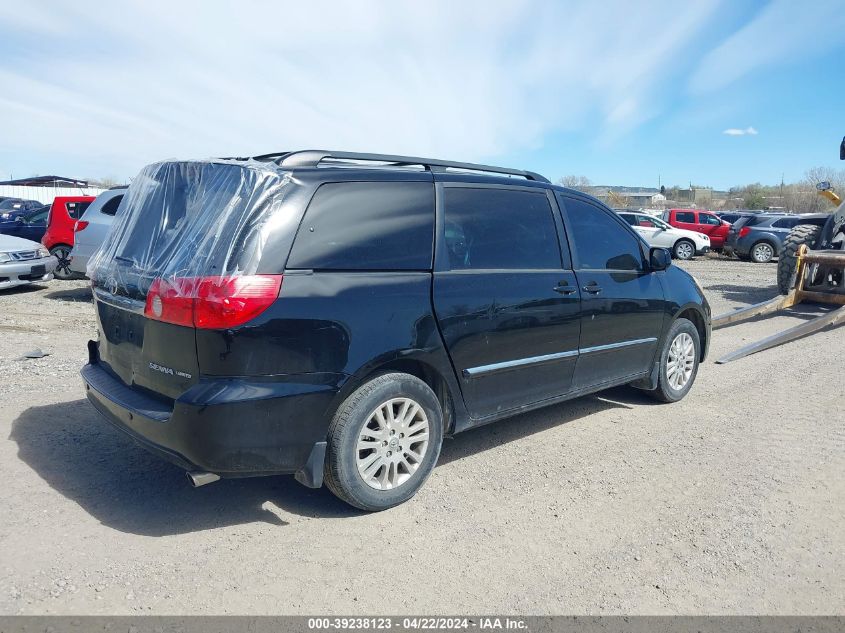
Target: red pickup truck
point(699, 221)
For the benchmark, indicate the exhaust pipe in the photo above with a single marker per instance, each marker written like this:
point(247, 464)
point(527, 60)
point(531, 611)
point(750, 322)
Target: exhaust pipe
point(199, 478)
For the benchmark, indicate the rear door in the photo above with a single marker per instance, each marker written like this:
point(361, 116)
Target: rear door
point(505, 297)
point(622, 303)
point(685, 220)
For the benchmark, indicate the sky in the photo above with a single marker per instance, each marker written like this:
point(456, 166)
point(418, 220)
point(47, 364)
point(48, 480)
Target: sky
point(717, 93)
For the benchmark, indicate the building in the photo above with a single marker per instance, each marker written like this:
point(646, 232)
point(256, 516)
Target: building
point(45, 188)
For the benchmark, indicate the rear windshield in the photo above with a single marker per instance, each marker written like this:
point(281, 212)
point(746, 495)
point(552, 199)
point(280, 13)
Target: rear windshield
point(189, 219)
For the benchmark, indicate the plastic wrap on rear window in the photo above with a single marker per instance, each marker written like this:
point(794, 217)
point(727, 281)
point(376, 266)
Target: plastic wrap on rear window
point(183, 220)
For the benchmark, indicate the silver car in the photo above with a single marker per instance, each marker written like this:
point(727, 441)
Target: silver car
point(93, 227)
point(23, 262)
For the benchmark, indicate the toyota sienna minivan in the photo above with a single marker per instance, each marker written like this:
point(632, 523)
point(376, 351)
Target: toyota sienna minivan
point(335, 315)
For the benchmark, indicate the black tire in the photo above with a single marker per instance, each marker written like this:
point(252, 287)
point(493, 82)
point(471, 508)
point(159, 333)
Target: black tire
point(665, 391)
point(680, 250)
point(787, 263)
point(762, 252)
point(62, 253)
point(341, 472)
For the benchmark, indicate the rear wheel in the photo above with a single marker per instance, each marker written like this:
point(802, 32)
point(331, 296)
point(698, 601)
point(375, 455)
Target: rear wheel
point(762, 253)
point(788, 261)
point(62, 253)
point(679, 360)
point(384, 442)
point(684, 249)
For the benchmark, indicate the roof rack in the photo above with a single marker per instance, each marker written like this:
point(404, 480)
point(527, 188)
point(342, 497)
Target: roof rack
point(313, 157)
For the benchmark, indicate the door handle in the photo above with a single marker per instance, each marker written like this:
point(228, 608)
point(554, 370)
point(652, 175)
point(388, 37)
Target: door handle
point(592, 288)
point(564, 288)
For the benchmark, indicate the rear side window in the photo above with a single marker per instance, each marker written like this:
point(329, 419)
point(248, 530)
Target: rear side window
point(706, 218)
point(110, 207)
point(499, 229)
point(76, 209)
point(367, 226)
point(630, 219)
point(787, 223)
point(600, 241)
point(685, 216)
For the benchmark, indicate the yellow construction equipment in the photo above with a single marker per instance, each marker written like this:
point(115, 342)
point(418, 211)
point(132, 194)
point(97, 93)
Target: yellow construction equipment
point(819, 278)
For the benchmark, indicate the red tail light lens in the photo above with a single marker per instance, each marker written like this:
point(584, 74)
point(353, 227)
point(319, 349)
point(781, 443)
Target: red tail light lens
point(745, 230)
point(79, 226)
point(211, 303)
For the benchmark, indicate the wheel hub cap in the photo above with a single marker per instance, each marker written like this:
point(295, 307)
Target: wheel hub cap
point(392, 443)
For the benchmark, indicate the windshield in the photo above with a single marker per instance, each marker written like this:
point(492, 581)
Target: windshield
point(189, 219)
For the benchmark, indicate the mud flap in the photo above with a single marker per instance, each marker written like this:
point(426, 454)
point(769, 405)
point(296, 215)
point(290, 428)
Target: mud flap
point(311, 475)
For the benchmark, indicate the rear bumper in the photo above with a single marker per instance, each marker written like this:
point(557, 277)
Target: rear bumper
point(228, 426)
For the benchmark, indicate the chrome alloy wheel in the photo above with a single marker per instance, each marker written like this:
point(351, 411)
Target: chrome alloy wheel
point(680, 361)
point(392, 443)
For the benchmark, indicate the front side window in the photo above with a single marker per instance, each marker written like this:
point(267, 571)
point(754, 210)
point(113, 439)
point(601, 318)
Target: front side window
point(685, 216)
point(706, 218)
point(367, 226)
point(499, 229)
point(645, 221)
point(600, 241)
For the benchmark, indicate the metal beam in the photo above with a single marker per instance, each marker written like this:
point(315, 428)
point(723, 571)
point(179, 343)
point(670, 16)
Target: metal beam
point(819, 323)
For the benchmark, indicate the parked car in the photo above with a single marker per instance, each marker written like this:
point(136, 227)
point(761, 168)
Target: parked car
point(732, 216)
point(760, 237)
point(30, 225)
point(23, 262)
point(699, 221)
point(64, 212)
point(10, 208)
point(335, 315)
point(92, 228)
point(683, 244)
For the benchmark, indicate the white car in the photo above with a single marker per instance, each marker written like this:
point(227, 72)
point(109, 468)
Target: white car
point(93, 227)
point(683, 244)
point(23, 262)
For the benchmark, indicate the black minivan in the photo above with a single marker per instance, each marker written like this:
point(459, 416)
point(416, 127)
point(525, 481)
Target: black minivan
point(336, 315)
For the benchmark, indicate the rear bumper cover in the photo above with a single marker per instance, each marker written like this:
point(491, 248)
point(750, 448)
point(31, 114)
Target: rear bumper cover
point(228, 426)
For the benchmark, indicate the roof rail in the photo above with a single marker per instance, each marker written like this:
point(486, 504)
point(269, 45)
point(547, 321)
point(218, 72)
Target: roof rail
point(313, 157)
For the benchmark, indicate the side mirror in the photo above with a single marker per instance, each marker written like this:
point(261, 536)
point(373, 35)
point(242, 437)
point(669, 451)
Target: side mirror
point(19, 219)
point(824, 185)
point(659, 258)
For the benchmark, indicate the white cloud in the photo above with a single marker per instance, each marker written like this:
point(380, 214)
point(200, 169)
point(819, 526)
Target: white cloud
point(735, 131)
point(468, 81)
point(783, 32)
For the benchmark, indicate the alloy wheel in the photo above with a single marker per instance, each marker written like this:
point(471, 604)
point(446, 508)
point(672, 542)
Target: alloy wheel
point(392, 443)
point(680, 361)
point(63, 270)
point(763, 253)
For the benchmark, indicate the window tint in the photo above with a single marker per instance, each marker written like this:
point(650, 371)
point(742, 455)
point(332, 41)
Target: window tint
point(367, 226)
point(76, 209)
point(499, 229)
point(630, 219)
point(706, 218)
point(602, 243)
point(38, 216)
point(685, 216)
point(110, 207)
point(787, 223)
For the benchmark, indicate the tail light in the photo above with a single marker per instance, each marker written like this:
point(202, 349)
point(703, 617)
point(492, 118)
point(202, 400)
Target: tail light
point(211, 303)
point(79, 226)
point(745, 230)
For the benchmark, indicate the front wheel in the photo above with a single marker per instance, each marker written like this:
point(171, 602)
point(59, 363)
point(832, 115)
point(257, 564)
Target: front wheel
point(383, 442)
point(62, 253)
point(679, 360)
point(684, 249)
point(803, 234)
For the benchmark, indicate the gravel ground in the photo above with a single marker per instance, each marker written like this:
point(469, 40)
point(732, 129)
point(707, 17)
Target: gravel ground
point(729, 502)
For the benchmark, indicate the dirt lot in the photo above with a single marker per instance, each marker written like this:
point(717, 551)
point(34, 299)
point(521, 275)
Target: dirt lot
point(731, 501)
